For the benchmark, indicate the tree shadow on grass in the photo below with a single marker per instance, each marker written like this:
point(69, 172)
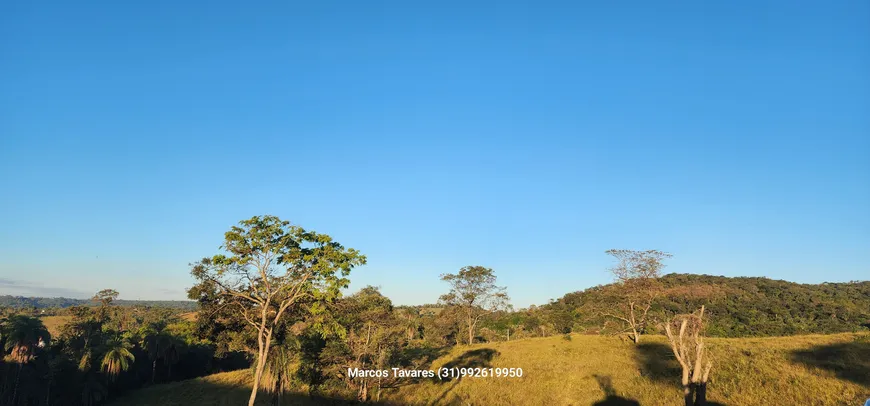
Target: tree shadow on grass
point(849, 361)
point(479, 358)
point(656, 362)
point(611, 399)
point(425, 355)
point(216, 394)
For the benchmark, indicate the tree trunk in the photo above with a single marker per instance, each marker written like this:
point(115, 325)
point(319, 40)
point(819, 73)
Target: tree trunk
point(635, 336)
point(364, 392)
point(701, 394)
point(261, 365)
point(153, 371)
point(688, 388)
point(688, 395)
point(258, 371)
point(17, 380)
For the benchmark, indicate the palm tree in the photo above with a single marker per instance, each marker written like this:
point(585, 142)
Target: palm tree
point(171, 348)
point(151, 344)
point(162, 346)
point(93, 391)
point(22, 336)
point(117, 358)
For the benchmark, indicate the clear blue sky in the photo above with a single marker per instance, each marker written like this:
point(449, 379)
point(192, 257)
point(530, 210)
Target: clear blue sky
point(524, 136)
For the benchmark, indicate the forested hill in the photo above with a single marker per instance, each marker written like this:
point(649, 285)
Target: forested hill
point(738, 307)
point(62, 302)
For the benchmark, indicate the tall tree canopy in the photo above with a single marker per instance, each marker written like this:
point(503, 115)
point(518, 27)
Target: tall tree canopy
point(270, 267)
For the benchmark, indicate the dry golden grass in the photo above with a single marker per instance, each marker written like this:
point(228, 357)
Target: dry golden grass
point(54, 323)
point(598, 370)
point(223, 389)
point(189, 316)
point(748, 372)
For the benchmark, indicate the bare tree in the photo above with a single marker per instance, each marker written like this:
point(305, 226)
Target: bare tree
point(686, 335)
point(474, 292)
point(272, 268)
point(637, 273)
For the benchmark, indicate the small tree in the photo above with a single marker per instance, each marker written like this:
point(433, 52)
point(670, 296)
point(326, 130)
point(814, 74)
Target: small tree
point(474, 292)
point(686, 335)
point(271, 268)
point(637, 273)
point(373, 341)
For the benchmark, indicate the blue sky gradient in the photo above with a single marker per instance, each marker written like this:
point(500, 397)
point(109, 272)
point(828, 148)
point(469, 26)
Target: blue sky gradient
point(528, 137)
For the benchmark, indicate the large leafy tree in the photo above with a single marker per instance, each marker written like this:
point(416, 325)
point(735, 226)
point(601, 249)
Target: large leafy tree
point(474, 292)
point(270, 268)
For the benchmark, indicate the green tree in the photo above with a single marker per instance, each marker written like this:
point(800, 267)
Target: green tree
point(271, 266)
point(372, 340)
point(161, 346)
point(117, 358)
point(474, 292)
point(22, 336)
point(105, 298)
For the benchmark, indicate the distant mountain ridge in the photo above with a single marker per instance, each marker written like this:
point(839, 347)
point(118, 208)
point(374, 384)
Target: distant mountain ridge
point(19, 302)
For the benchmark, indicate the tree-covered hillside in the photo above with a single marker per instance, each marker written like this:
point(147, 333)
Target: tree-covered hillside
point(738, 307)
point(21, 302)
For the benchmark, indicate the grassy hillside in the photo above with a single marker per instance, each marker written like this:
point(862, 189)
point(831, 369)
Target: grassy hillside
point(223, 389)
point(598, 370)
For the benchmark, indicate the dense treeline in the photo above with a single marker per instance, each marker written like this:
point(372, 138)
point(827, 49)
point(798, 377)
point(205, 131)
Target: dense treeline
point(102, 351)
point(738, 307)
point(105, 350)
point(21, 302)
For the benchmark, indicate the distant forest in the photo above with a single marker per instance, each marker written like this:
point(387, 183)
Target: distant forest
point(738, 307)
point(21, 302)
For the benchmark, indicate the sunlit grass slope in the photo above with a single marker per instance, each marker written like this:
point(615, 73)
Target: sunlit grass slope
point(596, 370)
point(54, 323)
point(223, 389)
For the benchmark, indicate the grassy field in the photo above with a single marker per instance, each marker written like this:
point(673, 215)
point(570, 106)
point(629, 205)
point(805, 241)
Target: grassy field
point(602, 371)
point(54, 323)
point(189, 316)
